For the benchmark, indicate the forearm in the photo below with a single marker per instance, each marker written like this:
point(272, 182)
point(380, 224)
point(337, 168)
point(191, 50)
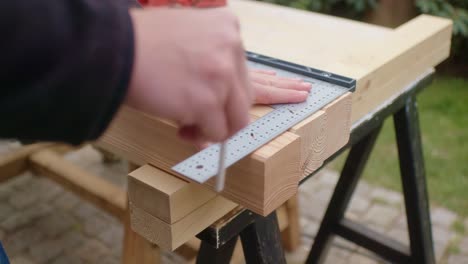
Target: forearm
point(65, 67)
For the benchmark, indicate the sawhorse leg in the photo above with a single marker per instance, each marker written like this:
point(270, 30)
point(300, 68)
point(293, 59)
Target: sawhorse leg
point(261, 241)
point(210, 255)
point(413, 177)
point(415, 194)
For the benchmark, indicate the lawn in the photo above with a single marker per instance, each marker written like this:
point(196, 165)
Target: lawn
point(443, 109)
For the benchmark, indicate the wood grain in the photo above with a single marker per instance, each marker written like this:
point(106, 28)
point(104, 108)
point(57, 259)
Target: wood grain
point(272, 171)
point(171, 236)
point(165, 196)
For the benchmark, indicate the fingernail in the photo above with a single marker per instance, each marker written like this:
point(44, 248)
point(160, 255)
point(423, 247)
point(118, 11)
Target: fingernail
point(305, 84)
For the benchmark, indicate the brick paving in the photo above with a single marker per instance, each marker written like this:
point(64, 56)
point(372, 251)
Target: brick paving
point(40, 222)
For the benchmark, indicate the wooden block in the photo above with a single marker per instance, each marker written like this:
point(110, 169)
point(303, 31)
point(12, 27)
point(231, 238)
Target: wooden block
point(322, 134)
point(165, 196)
point(260, 182)
point(171, 236)
point(88, 186)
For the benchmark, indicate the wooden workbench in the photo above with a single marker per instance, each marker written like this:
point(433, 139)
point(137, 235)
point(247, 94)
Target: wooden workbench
point(383, 61)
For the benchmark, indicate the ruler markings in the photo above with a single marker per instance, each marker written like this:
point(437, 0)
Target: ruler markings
point(203, 165)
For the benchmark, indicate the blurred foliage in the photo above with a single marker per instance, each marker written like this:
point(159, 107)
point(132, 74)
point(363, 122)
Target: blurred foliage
point(457, 10)
point(346, 8)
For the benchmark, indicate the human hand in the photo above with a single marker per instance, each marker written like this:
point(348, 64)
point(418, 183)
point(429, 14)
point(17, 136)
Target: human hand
point(190, 68)
point(272, 89)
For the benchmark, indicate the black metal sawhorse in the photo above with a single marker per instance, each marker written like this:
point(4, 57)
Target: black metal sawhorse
point(260, 236)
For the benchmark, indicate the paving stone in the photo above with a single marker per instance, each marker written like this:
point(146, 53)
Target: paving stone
point(6, 190)
point(439, 250)
point(442, 217)
point(381, 215)
point(357, 258)
point(5, 211)
point(94, 226)
point(324, 194)
point(21, 218)
point(72, 240)
point(21, 240)
point(92, 251)
point(338, 256)
point(298, 256)
point(378, 228)
point(463, 246)
point(85, 211)
point(441, 235)
point(344, 244)
point(66, 201)
point(401, 222)
point(306, 241)
point(354, 216)
point(115, 173)
point(399, 234)
point(311, 228)
point(67, 259)
point(110, 260)
point(359, 204)
point(24, 198)
point(56, 223)
point(24, 179)
point(84, 157)
point(112, 235)
point(47, 189)
point(457, 259)
point(45, 251)
point(170, 258)
point(328, 178)
point(390, 197)
point(303, 221)
point(21, 260)
point(363, 189)
point(314, 209)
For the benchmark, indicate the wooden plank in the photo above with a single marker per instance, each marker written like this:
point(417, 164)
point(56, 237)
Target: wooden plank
point(171, 236)
point(371, 55)
point(165, 196)
point(272, 171)
point(16, 162)
point(291, 231)
point(98, 191)
point(136, 249)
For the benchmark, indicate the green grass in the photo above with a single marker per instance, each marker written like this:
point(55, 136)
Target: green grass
point(443, 113)
point(458, 227)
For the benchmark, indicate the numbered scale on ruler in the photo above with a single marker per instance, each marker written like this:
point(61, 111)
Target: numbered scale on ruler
point(326, 87)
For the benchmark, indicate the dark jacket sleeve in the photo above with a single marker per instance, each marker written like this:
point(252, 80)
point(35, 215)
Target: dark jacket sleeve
point(65, 66)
